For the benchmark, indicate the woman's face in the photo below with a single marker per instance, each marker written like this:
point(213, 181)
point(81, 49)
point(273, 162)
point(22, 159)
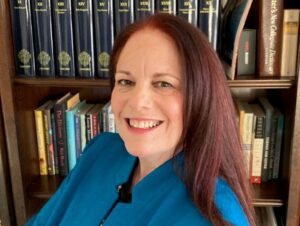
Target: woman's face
point(147, 99)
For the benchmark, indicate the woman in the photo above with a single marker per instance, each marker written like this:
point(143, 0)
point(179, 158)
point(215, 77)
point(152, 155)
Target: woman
point(177, 159)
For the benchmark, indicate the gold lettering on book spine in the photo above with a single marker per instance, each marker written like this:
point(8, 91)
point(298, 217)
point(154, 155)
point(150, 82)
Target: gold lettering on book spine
point(44, 59)
point(64, 60)
point(103, 59)
point(84, 59)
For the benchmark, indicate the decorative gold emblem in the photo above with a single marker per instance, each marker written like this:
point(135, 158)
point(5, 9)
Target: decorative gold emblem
point(103, 59)
point(44, 58)
point(84, 59)
point(64, 58)
point(24, 56)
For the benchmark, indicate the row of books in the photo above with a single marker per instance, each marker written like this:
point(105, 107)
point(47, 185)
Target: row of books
point(63, 128)
point(261, 129)
point(75, 37)
point(259, 37)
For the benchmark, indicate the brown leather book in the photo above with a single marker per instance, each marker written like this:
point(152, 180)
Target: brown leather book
point(269, 37)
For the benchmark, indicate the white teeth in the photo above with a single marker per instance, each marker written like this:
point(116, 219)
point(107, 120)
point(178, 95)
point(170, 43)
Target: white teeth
point(143, 124)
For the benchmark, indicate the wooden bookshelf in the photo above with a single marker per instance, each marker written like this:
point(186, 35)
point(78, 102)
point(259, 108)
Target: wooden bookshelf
point(20, 96)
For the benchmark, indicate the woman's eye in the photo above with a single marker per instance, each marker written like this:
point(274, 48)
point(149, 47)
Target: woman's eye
point(162, 84)
point(124, 82)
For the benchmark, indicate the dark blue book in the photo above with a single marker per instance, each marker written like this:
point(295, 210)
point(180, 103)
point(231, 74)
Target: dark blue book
point(123, 14)
point(43, 37)
point(21, 25)
point(143, 9)
point(208, 20)
point(166, 6)
point(63, 38)
point(84, 38)
point(188, 9)
point(104, 35)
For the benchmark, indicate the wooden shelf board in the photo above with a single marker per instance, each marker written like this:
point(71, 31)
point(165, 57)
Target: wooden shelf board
point(245, 82)
point(268, 194)
point(62, 82)
point(265, 194)
point(262, 83)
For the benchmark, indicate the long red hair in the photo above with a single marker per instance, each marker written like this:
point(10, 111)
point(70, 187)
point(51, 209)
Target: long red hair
point(210, 137)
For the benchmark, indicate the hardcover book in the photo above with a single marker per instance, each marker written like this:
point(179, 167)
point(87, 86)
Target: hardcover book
point(208, 20)
point(21, 24)
point(166, 6)
point(269, 111)
point(247, 53)
point(104, 35)
point(43, 37)
point(84, 38)
point(63, 38)
point(269, 37)
point(189, 10)
point(143, 9)
point(290, 42)
point(124, 14)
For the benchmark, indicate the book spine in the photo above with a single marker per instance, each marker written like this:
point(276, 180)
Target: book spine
point(40, 135)
point(71, 137)
point(124, 14)
point(43, 37)
point(166, 6)
point(143, 9)
point(290, 42)
point(83, 131)
point(95, 124)
point(257, 149)
point(104, 35)
point(247, 53)
point(270, 37)
point(84, 38)
point(77, 136)
point(88, 127)
point(278, 144)
point(21, 24)
point(61, 139)
point(55, 149)
point(49, 142)
point(63, 38)
point(189, 10)
point(208, 20)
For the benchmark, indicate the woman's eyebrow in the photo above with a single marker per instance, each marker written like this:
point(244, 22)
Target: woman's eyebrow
point(123, 72)
point(158, 75)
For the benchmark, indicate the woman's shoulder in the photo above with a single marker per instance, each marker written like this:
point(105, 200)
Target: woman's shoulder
point(228, 204)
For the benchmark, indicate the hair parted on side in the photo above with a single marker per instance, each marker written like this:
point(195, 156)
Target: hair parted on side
point(210, 134)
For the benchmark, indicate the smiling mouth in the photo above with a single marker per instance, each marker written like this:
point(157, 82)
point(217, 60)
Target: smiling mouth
point(143, 124)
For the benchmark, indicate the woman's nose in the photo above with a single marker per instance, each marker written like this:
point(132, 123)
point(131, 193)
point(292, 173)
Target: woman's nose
point(141, 98)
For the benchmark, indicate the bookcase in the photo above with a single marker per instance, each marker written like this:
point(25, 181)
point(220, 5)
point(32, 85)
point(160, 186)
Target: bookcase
point(20, 96)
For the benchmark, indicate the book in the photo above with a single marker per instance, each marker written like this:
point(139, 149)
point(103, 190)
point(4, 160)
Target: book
point(64, 103)
point(93, 113)
point(43, 38)
point(269, 37)
point(269, 111)
point(80, 120)
point(258, 139)
point(233, 22)
point(189, 10)
point(246, 130)
point(124, 14)
point(208, 20)
point(166, 6)
point(21, 25)
point(278, 142)
point(289, 42)
point(40, 137)
point(104, 35)
point(47, 111)
point(71, 134)
point(143, 9)
point(63, 38)
point(84, 38)
point(247, 53)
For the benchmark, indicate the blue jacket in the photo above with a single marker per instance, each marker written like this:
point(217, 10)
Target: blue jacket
point(161, 198)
